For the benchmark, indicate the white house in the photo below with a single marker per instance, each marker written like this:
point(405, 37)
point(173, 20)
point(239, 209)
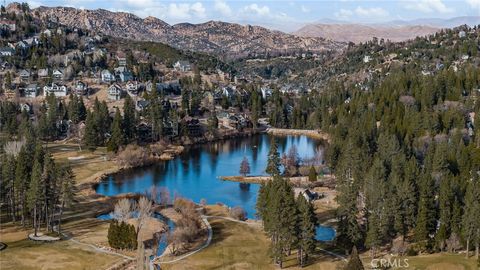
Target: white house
point(132, 88)
point(182, 66)
point(115, 92)
point(56, 89)
point(107, 76)
point(367, 58)
point(7, 51)
point(57, 74)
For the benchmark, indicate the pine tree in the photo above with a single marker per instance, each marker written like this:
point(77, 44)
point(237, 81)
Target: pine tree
point(273, 165)
point(425, 224)
point(306, 229)
point(67, 187)
point(117, 139)
point(354, 263)
point(470, 221)
point(90, 137)
point(129, 120)
point(34, 195)
point(22, 181)
point(312, 174)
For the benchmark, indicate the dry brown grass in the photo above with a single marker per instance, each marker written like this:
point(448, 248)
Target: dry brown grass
point(22, 253)
point(87, 166)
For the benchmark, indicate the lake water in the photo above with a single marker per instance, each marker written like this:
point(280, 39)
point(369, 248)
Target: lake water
point(195, 173)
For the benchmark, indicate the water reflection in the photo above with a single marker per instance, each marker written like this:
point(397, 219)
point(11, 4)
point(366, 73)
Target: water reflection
point(194, 174)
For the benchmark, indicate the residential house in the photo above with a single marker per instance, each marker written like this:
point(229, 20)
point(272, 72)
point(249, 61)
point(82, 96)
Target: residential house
point(367, 58)
point(26, 107)
point(182, 66)
point(47, 33)
point(165, 88)
point(141, 105)
point(132, 88)
point(33, 41)
point(22, 45)
point(8, 25)
point(122, 59)
point(25, 75)
point(144, 132)
point(234, 121)
point(6, 51)
point(309, 195)
point(81, 88)
point(115, 92)
point(107, 76)
point(462, 34)
point(31, 91)
point(192, 126)
point(6, 65)
point(56, 89)
point(42, 73)
point(229, 91)
point(123, 74)
point(266, 92)
point(57, 74)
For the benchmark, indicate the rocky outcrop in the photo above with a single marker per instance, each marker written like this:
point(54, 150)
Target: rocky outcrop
point(227, 39)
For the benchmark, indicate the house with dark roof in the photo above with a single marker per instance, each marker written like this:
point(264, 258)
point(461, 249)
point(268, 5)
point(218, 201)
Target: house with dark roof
point(31, 91)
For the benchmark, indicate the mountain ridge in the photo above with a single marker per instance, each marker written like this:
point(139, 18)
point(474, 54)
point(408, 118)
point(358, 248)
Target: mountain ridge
point(228, 39)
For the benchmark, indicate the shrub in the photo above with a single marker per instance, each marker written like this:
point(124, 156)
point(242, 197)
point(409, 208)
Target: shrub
point(237, 212)
point(411, 252)
point(132, 156)
point(122, 235)
point(312, 174)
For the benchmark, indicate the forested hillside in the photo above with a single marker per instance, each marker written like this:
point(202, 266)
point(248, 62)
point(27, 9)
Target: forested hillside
point(404, 119)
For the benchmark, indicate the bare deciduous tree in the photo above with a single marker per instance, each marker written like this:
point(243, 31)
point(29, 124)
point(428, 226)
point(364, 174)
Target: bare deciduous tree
point(244, 167)
point(144, 210)
point(123, 210)
point(13, 147)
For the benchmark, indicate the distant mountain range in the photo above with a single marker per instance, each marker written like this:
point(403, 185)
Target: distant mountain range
point(393, 30)
point(220, 38)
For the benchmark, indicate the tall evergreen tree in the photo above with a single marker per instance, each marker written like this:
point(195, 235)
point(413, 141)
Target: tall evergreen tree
point(129, 119)
point(273, 164)
point(306, 229)
point(117, 138)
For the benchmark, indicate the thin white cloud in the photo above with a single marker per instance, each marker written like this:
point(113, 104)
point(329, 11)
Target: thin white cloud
point(343, 14)
point(257, 10)
point(371, 12)
point(222, 7)
point(304, 9)
point(428, 6)
point(474, 3)
point(361, 12)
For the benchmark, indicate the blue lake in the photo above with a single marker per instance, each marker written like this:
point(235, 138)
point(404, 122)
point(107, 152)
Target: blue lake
point(195, 173)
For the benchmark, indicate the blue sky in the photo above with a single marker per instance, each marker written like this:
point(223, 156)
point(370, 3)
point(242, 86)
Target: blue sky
point(280, 14)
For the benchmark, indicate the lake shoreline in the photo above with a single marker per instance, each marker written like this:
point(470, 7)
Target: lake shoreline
point(311, 133)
